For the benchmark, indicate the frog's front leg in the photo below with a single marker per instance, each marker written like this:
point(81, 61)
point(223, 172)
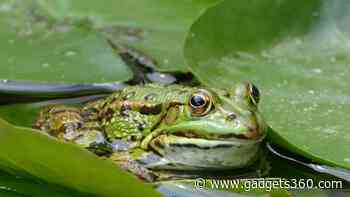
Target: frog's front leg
point(71, 124)
point(167, 116)
point(131, 120)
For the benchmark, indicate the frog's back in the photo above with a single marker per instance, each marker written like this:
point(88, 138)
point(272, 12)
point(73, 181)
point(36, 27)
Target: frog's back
point(154, 93)
point(135, 110)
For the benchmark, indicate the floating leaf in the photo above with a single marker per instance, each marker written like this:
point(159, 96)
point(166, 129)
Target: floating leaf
point(32, 50)
point(297, 52)
point(25, 114)
point(29, 152)
point(18, 186)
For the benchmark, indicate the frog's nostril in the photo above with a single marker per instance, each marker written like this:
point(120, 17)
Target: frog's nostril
point(231, 116)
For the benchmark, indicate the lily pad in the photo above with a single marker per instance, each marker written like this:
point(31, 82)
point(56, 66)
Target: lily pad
point(19, 186)
point(154, 30)
point(35, 51)
point(20, 114)
point(297, 52)
point(25, 114)
point(32, 154)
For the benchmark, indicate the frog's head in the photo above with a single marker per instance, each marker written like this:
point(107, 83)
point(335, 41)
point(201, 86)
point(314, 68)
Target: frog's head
point(224, 114)
point(215, 128)
point(218, 114)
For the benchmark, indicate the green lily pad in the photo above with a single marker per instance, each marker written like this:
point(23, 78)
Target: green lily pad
point(25, 114)
point(35, 51)
point(20, 186)
point(30, 153)
point(297, 52)
point(156, 29)
point(9, 194)
point(20, 114)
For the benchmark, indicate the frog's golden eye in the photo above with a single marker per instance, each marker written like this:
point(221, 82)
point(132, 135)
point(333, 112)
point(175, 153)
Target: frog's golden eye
point(254, 94)
point(200, 103)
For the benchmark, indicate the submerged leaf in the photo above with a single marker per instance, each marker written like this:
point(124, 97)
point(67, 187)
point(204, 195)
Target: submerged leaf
point(153, 31)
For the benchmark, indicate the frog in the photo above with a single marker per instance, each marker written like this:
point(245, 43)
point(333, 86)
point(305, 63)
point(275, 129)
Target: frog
point(157, 131)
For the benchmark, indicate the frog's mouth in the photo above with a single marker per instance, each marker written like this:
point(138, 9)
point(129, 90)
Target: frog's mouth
point(204, 141)
point(247, 133)
point(187, 140)
point(253, 134)
point(212, 132)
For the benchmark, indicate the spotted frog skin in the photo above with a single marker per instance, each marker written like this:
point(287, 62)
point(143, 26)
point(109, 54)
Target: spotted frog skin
point(151, 129)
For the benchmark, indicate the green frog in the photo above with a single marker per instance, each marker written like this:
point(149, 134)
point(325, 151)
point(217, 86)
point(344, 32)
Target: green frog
point(155, 130)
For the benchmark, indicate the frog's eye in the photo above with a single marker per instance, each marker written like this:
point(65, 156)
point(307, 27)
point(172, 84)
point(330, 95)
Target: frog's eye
point(200, 103)
point(254, 94)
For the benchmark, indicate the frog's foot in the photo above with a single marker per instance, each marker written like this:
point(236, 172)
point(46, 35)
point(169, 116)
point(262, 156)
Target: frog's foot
point(125, 161)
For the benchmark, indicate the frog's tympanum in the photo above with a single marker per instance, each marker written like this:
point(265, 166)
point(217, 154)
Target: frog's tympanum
point(153, 130)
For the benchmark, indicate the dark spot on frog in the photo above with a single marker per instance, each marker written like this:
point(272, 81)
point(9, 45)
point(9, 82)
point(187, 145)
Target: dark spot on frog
point(227, 94)
point(153, 110)
point(128, 95)
point(108, 113)
point(134, 138)
point(150, 96)
point(141, 126)
point(157, 143)
point(124, 109)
